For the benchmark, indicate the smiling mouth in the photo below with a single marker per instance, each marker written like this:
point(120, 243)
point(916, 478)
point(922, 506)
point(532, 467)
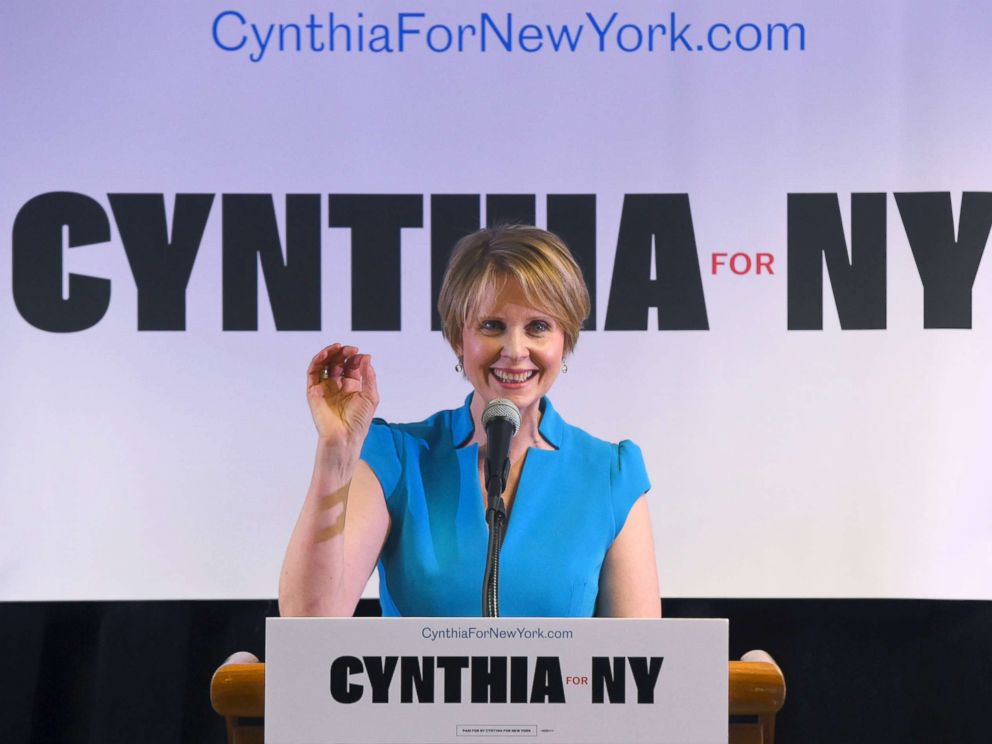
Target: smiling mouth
point(512, 378)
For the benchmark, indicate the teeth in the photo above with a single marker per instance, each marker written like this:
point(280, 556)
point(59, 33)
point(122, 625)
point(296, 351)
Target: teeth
point(511, 377)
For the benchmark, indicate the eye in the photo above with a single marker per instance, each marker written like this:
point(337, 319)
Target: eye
point(538, 327)
point(491, 325)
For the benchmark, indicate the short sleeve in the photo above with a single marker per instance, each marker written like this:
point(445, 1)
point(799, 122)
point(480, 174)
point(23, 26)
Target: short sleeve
point(382, 455)
point(628, 480)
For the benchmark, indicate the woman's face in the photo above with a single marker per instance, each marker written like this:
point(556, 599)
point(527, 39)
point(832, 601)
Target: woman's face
point(512, 350)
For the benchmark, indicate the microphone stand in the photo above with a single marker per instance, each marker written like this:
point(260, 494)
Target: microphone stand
point(496, 520)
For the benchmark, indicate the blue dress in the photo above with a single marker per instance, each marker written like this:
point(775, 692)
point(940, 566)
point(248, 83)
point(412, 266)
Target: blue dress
point(570, 504)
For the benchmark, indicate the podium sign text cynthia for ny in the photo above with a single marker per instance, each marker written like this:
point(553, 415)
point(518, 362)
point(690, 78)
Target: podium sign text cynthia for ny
point(419, 680)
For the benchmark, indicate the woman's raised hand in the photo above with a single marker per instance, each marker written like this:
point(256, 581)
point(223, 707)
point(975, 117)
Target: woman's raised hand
point(342, 393)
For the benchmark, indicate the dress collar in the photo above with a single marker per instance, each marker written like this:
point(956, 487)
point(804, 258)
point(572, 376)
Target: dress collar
point(551, 427)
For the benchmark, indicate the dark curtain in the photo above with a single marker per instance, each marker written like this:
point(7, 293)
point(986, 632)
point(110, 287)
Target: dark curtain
point(857, 670)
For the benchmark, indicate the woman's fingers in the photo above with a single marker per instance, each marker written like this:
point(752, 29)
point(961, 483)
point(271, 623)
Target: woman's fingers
point(371, 385)
point(342, 390)
point(330, 363)
point(317, 366)
point(339, 369)
point(355, 376)
point(353, 372)
point(322, 354)
point(352, 367)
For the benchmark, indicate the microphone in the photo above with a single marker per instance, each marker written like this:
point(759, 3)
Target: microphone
point(501, 420)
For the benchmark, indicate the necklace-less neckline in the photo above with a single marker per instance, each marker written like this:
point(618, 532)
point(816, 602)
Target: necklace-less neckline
point(551, 426)
point(524, 505)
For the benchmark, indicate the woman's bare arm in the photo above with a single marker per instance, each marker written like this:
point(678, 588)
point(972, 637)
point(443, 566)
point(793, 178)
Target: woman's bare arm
point(628, 580)
point(344, 521)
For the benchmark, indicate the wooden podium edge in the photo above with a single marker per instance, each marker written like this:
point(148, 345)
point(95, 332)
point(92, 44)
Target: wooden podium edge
point(238, 690)
point(757, 688)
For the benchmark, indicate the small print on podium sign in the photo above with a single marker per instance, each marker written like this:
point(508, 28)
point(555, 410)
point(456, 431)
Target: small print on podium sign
point(464, 680)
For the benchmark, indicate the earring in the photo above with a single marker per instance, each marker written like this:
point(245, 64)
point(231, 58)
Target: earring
point(459, 367)
point(564, 368)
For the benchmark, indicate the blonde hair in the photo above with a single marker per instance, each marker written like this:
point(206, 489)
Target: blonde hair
point(539, 261)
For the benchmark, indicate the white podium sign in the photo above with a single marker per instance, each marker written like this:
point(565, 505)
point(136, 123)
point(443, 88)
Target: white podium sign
point(464, 680)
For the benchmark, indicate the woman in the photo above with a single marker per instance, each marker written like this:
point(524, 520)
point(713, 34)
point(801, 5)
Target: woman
point(411, 497)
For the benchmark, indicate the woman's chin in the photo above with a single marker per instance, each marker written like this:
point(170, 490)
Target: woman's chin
point(523, 394)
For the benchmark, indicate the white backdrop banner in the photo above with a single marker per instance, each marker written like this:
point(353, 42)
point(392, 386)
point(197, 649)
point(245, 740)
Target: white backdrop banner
point(781, 209)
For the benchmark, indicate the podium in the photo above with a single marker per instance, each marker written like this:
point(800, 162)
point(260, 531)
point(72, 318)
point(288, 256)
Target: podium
point(756, 692)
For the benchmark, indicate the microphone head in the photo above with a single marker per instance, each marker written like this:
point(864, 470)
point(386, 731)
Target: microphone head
point(501, 408)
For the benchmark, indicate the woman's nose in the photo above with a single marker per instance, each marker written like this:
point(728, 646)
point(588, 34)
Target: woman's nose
point(515, 345)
